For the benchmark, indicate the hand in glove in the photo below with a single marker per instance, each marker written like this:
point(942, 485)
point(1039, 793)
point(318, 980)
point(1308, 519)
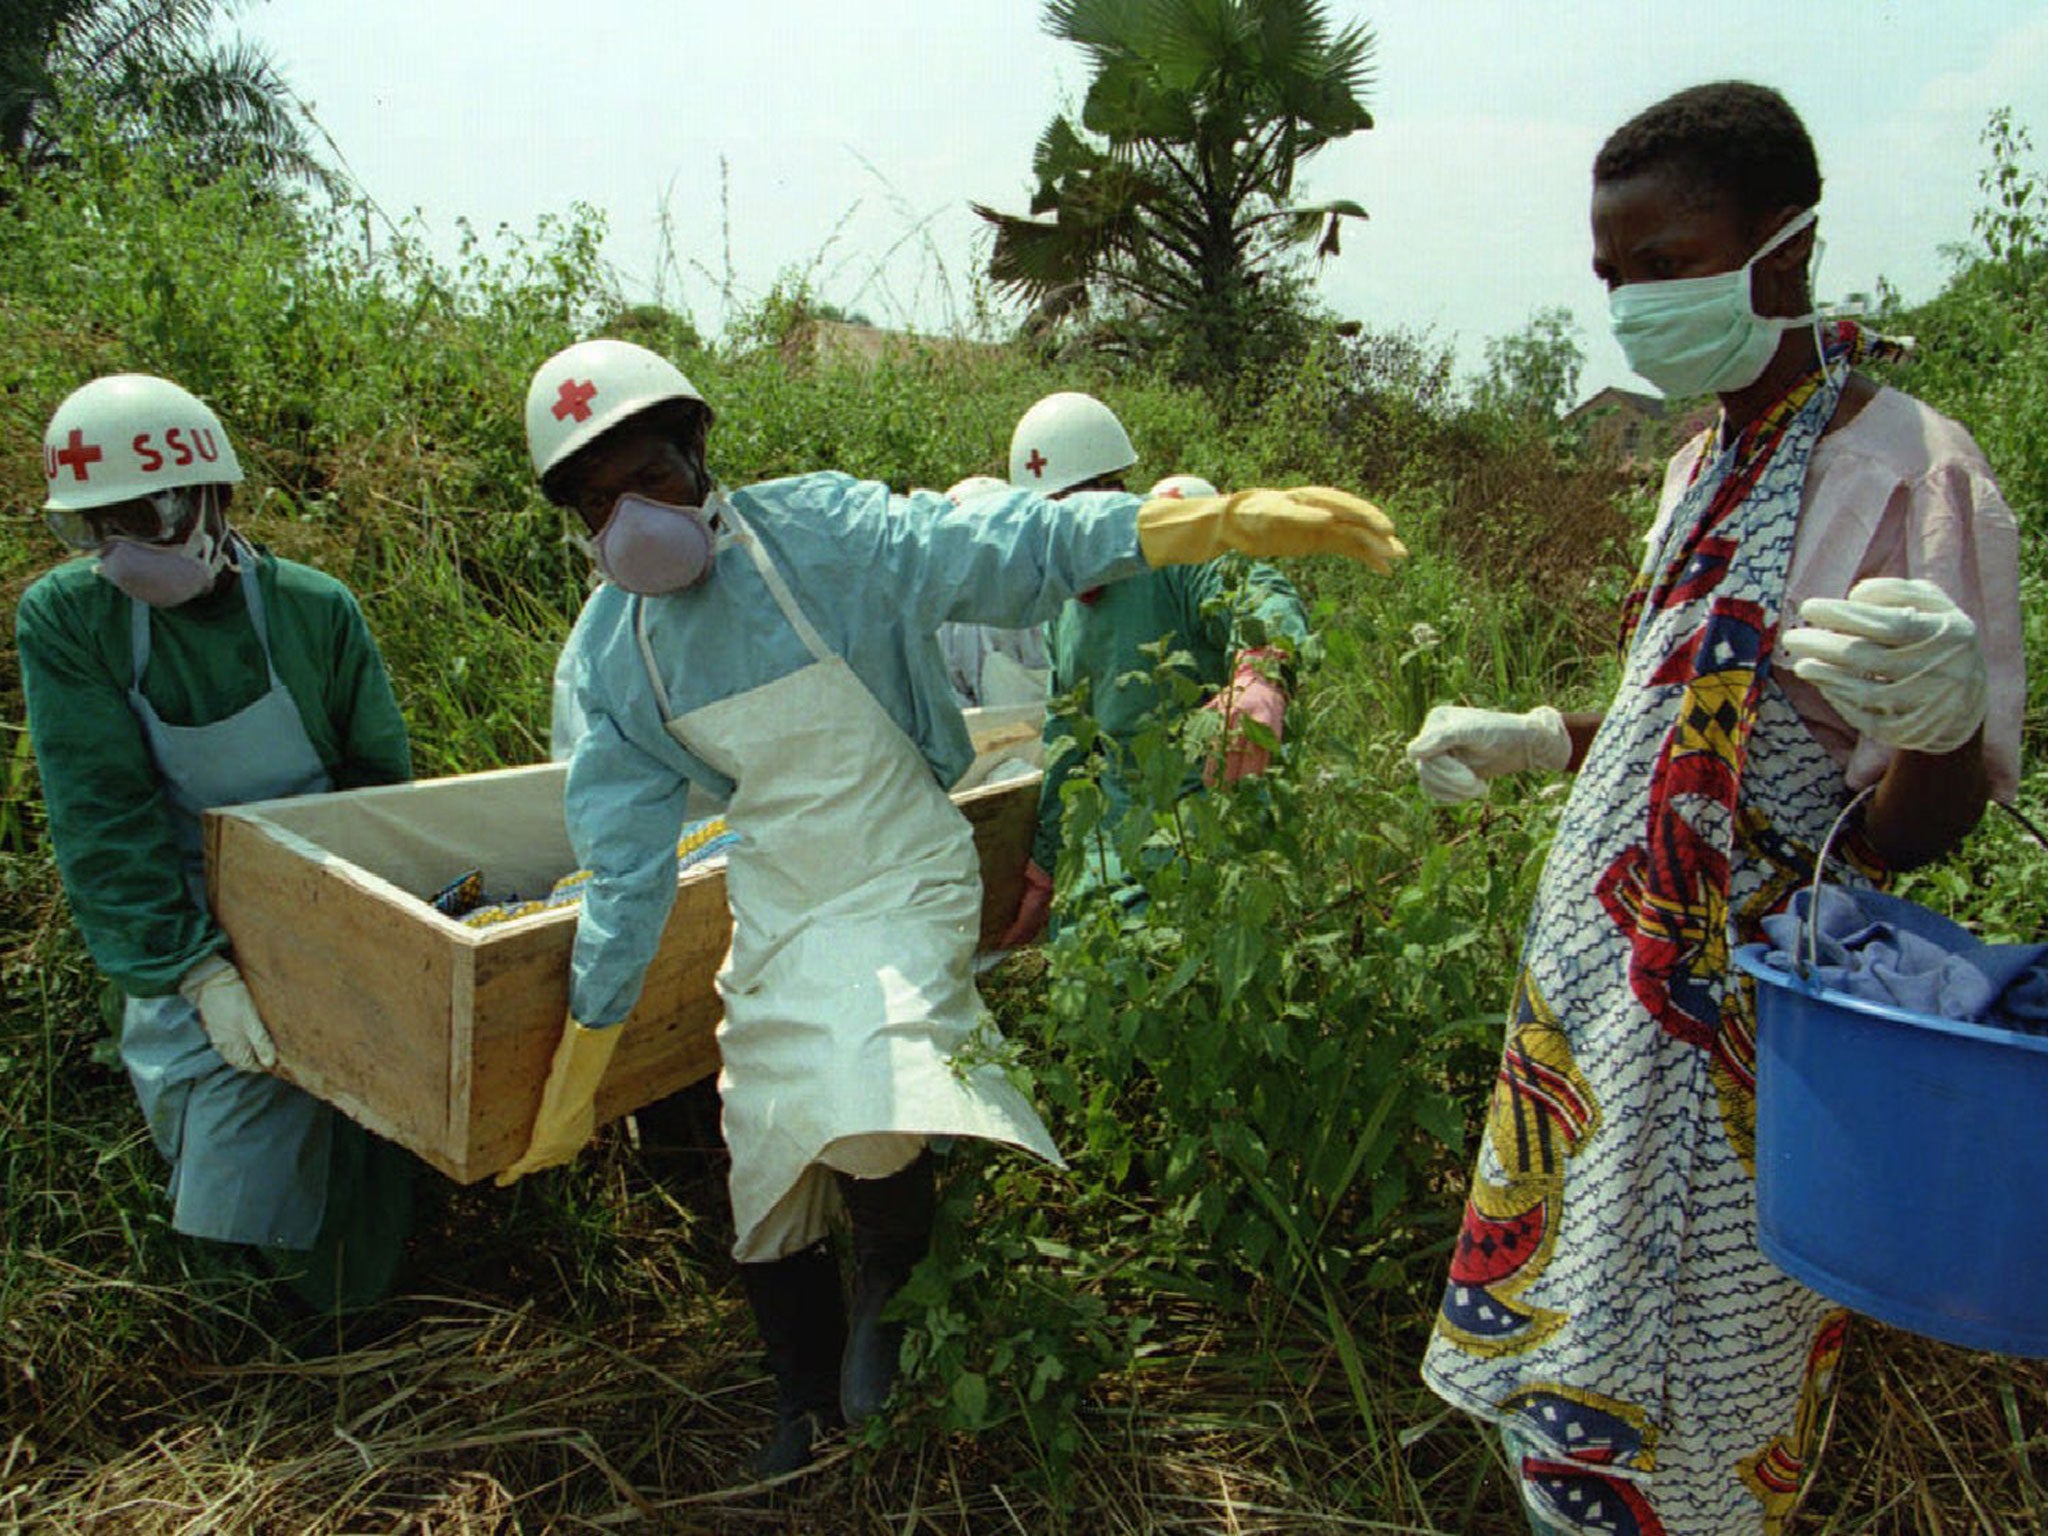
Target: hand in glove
point(228, 1014)
point(567, 1114)
point(1458, 750)
point(1251, 695)
point(1034, 907)
point(1312, 520)
point(1897, 659)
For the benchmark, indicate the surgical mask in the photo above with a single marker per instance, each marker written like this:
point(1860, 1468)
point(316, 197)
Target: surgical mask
point(1702, 335)
point(650, 547)
point(165, 575)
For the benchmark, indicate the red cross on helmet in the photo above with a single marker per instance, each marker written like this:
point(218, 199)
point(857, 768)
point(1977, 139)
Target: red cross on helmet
point(1066, 440)
point(131, 435)
point(584, 391)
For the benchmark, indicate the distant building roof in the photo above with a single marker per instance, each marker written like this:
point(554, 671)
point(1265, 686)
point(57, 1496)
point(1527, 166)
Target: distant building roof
point(852, 341)
point(1651, 407)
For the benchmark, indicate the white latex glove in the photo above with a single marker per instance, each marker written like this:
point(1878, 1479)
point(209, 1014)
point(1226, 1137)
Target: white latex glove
point(228, 1014)
point(1458, 749)
point(1898, 660)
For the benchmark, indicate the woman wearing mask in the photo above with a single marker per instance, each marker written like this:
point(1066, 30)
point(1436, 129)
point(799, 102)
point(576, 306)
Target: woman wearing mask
point(1828, 602)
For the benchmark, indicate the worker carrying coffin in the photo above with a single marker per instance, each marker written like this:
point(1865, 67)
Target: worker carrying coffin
point(773, 649)
point(178, 669)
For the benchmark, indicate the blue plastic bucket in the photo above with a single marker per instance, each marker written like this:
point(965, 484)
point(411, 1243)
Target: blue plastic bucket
point(1902, 1161)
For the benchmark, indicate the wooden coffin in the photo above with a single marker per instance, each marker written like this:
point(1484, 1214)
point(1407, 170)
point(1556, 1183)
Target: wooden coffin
point(437, 1035)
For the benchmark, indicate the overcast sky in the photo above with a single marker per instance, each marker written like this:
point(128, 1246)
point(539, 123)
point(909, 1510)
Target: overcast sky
point(854, 135)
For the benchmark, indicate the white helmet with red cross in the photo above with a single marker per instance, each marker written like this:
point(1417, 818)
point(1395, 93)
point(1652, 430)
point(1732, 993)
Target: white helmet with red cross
point(585, 390)
point(1067, 440)
point(130, 435)
point(1182, 488)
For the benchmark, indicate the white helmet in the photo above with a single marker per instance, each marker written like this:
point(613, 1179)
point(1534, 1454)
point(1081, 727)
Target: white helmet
point(973, 486)
point(1067, 440)
point(586, 390)
point(130, 435)
point(1182, 488)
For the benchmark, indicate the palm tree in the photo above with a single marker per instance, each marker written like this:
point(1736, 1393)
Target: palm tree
point(1175, 195)
point(149, 68)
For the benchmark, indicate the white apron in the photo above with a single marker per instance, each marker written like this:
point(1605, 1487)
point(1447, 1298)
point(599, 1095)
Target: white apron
point(856, 899)
point(249, 1154)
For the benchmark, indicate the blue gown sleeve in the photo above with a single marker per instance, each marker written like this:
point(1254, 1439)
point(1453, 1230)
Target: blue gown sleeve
point(1268, 596)
point(1277, 605)
point(625, 811)
point(1005, 560)
point(1059, 758)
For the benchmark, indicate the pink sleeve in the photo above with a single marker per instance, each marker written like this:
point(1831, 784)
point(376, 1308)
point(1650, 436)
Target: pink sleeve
point(1953, 528)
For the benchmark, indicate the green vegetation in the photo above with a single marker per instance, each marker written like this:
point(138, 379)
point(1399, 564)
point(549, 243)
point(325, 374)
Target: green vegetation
point(1266, 1087)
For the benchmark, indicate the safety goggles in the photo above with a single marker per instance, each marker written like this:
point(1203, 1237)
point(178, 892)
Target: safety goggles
point(153, 519)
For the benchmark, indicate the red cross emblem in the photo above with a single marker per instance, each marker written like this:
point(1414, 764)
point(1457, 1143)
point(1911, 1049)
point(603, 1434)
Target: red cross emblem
point(77, 453)
point(1036, 464)
point(574, 400)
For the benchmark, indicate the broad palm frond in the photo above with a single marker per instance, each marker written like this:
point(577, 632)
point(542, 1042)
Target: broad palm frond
point(152, 66)
point(101, 36)
point(1103, 27)
point(235, 103)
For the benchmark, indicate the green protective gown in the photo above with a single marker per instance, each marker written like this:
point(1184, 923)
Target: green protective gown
point(1100, 641)
point(115, 832)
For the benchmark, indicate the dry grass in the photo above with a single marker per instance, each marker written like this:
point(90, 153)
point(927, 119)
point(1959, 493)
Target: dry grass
point(1936, 1440)
point(537, 1397)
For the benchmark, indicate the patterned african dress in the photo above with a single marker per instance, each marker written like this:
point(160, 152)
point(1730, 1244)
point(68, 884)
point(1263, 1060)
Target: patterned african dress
point(1608, 1305)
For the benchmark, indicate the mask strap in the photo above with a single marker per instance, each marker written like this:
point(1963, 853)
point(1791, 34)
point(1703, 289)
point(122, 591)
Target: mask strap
point(1812, 315)
point(1791, 228)
point(218, 551)
point(1833, 376)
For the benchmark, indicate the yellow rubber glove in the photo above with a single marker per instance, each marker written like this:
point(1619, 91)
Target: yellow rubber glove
point(1310, 520)
point(567, 1115)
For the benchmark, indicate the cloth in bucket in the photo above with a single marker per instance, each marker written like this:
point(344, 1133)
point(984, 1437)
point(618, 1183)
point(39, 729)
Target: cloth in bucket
point(1884, 949)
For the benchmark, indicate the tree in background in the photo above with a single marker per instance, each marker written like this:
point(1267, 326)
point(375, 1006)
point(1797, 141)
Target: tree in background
point(2015, 195)
point(1171, 207)
point(1533, 373)
point(149, 68)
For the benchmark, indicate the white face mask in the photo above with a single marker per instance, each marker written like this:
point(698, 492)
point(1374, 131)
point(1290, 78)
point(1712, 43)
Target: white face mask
point(1702, 335)
point(166, 575)
point(650, 547)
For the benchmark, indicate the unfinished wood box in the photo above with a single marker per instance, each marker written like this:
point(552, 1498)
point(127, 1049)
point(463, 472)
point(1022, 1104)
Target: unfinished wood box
point(436, 1035)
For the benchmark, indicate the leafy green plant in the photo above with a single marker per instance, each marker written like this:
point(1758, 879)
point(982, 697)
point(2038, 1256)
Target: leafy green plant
point(1263, 1015)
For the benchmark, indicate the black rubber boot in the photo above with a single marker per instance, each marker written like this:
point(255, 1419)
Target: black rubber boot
point(892, 1229)
point(801, 1315)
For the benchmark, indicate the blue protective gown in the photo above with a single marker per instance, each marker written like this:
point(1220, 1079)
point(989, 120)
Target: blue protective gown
point(876, 575)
